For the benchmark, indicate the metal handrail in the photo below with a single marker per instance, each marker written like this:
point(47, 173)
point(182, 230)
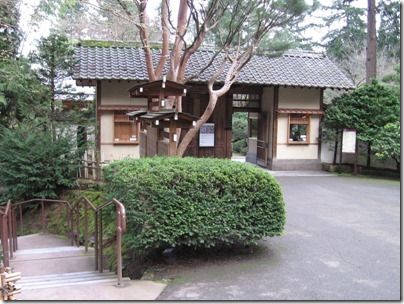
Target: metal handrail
point(8, 233)
point(8, 224)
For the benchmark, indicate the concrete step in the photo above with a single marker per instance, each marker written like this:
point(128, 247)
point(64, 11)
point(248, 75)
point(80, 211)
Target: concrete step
point(53, 252)
point(67, 279)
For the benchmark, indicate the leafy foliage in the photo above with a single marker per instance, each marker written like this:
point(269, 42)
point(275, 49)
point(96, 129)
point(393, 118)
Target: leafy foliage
point(33, 164)
point(351, 35)
point(389, 30)
point(22, 95)
point(10, 35)
point(240, 132)
point(368, 109)
point(194, 202)
point(387, 144)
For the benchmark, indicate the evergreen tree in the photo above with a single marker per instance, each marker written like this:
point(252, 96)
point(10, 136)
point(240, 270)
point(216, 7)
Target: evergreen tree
point(10, 35)
point(389, 29)
point(341, 40)
point(367, 110)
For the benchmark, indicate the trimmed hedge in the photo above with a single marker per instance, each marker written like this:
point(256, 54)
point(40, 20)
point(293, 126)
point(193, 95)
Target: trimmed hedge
point(194, 201)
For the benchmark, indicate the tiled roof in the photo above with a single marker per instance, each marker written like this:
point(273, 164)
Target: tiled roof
point(293, 68)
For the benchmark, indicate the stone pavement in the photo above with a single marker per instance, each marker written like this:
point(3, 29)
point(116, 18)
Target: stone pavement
point(53, 270)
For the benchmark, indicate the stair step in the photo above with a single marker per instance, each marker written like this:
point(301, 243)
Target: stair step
point(67, 279)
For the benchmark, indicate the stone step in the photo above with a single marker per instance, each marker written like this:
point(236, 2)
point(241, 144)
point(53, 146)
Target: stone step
point(67, 279)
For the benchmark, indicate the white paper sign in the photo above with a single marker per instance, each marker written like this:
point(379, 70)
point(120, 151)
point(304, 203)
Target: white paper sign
point(348, 141)
point(207, 135)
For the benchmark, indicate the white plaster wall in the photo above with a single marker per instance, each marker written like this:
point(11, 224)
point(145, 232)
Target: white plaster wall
point(297, 152)
point(299, 98)
point(282, 135)
point(116, 93)
point(107, 127)
point(110, 152)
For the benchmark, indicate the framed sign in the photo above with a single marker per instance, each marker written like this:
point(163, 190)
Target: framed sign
point(348, 141)
point(207, 135)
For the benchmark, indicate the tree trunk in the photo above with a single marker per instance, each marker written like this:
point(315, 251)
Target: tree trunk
point(334, 161)
point(369, 154)
point(213, 97)
point(371, 43)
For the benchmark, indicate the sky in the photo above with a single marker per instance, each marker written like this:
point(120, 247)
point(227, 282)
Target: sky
point(32, 33)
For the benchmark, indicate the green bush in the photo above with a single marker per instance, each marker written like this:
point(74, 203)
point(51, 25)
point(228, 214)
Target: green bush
point(195, 202)
point(34, 164)
point(240, 147)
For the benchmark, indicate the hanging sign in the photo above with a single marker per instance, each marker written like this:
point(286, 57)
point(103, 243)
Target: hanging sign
point(348, 141)
point(207, 135)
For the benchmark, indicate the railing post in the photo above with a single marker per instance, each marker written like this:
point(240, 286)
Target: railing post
point(15, 231)
point(4, 241)
point(96, 252)
point(101, 255)
point(43, 217)
point(78, 227)
point(10, 233)
point(86, 227)
point(71, 213)
point(119, 246)
point(21, 222)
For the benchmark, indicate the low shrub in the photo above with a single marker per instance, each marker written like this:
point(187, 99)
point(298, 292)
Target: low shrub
point(194, 202)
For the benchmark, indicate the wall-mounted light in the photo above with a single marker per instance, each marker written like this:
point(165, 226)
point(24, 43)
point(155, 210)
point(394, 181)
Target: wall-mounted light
point(176, 116)
point(185, 91)
point(156, 122)
point(163, 103)
point(141, 89)
point(163, 85)
point(194, 123)
point(174, 137)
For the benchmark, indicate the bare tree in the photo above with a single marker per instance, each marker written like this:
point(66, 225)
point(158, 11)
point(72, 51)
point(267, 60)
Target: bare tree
point(239, 25)
point(236, 48)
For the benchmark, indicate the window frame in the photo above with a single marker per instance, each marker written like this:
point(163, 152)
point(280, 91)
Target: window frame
point(305, 119)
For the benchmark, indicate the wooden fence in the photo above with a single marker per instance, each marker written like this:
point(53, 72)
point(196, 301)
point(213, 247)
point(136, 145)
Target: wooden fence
point(90, 165)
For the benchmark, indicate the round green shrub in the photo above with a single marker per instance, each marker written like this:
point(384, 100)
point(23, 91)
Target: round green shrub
point(197, 202)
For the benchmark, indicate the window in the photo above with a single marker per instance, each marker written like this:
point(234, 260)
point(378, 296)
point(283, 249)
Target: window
point(126, 131)
point(246, 101)
point(299, 129)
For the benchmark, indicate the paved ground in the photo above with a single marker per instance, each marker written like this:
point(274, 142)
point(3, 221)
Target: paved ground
point(341, 242)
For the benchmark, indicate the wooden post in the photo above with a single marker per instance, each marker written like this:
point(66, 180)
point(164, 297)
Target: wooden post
point(172, 145)
point(94, 163)
point(355, 170)
point(85, 164)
